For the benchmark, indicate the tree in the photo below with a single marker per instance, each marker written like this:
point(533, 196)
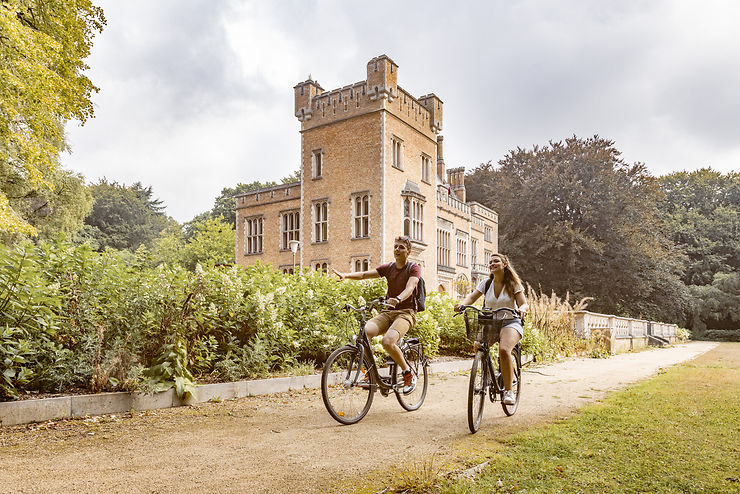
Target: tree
point(61, 209)
point(575, 218)
point(43, 45)
point(124, 217)
point(702, 209)
point(213, 242)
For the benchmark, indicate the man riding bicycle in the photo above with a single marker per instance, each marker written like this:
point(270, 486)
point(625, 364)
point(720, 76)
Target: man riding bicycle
point(394, 323)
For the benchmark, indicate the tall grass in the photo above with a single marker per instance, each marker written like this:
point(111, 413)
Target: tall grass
point(548, 330)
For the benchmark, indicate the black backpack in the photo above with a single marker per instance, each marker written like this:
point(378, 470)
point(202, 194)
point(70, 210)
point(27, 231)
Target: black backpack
point(420, 292)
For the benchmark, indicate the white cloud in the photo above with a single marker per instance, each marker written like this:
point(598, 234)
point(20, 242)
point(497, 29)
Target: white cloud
point(196, 95)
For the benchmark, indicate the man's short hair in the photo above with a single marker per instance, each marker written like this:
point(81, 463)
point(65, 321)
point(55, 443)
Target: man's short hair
point(405, 241)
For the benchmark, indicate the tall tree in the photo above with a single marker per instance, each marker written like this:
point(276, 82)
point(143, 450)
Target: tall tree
point(124, 217)
point(43, 45)
point(702, 209)
point(575, 218)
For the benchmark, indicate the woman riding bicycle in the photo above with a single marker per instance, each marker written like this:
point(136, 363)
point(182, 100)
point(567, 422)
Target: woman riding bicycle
point(503, 289)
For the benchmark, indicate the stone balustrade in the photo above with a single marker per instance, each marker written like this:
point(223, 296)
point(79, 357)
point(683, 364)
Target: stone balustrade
point(623, 333)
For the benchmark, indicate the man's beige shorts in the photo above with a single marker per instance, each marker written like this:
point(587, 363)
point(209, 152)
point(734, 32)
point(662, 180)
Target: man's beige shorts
point(400, 320)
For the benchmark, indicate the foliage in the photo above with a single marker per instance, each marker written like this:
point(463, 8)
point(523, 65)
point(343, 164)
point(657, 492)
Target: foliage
point(212, 242)
point(169, 370)
point(702, 209)
point(548, 328)
point(43, 45)
point(60, 209)
point(573, 215)
point(124, 217)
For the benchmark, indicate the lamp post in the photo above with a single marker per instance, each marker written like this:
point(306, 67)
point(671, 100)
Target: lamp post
point(293, 244)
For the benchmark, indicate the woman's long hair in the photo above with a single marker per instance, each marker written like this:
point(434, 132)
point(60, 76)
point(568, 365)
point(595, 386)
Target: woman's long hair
point(511, 278)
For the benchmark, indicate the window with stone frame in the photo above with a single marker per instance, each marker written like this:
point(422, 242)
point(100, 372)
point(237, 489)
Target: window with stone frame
point(488, 234)
point(317, 164)
point(289, 228)
point(413, 218)
point(444, 238)
point(253, 228)
point(473, 252)
point(397, 152)
point(361, 216)
point(426, 169)
point(361, 265)
point(321, 221)
point(462, 250)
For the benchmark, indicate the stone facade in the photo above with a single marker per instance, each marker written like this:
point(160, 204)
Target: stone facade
point(372, 168)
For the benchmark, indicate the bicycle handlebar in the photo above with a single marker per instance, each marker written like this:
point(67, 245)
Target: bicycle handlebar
point(463, 308)
point(379, 302)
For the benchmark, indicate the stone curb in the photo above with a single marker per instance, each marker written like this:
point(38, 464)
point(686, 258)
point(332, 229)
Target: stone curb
point(75, 406)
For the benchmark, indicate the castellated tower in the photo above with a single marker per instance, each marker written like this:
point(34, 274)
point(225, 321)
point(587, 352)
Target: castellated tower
point(369, 146)
point(371, 169)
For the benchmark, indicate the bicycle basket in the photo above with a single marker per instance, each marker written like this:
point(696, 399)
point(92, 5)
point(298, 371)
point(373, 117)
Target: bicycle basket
point(479, 326)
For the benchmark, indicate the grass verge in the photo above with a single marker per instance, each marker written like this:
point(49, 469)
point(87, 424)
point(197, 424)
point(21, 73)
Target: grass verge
point(676, 433)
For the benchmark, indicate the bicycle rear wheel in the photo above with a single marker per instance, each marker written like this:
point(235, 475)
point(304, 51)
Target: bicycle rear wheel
point(516, 386)
point(477, 391)
point(346, 398)
point(417, 364)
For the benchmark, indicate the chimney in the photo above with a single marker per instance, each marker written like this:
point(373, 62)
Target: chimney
point(456, 177)
point(440, 161)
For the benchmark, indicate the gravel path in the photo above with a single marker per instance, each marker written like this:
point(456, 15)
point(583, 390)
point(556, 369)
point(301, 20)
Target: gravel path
point(288, 442)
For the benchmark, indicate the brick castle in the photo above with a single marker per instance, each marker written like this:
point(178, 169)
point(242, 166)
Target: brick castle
point(372, 168)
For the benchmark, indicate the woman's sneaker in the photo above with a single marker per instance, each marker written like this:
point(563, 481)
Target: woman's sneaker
point(409, 382)
point(508, 398)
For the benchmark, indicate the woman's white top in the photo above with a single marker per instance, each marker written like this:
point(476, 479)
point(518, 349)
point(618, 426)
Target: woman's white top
point(503, 299)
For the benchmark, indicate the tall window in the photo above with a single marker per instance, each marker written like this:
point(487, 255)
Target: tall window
point(462, 251)
point(321, 221)
point(253, 235)
point(487, 254)
point(361, 210)
point(488, 235)
point(426, 168)
point(443, 247)
point(413, 218)
point(397, 152)
point(289, 228)
point(473, 251)
point(317, 163)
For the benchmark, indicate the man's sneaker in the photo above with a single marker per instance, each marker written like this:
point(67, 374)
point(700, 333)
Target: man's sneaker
point(508, 398)
point(409, 382)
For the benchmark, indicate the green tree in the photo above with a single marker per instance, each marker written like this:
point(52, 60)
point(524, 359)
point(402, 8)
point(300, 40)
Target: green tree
point(213, 242)
point(702, 209)
point(575, 218)
point(60, 209)
point(43, 45)
point(124, 217)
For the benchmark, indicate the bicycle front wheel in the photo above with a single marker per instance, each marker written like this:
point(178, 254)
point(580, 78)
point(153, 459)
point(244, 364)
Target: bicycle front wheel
point(417, 364)
point(477, 391)
point(346, 396)
point(516, 385)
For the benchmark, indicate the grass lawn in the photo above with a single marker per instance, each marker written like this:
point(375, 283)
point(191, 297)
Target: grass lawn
point(676, 433)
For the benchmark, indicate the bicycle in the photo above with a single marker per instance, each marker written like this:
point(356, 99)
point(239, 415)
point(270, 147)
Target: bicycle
point(351, 376)
point(481, 381)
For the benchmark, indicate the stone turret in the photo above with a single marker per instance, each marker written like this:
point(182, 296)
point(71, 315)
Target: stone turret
point(382, 77)
point(305, 92)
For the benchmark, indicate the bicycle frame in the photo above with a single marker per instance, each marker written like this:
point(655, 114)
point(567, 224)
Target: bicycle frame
point(362, 343)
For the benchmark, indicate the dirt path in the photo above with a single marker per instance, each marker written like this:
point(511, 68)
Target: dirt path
point(287, 442)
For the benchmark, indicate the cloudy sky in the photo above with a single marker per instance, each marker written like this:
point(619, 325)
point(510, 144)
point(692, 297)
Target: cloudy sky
point(197, 95)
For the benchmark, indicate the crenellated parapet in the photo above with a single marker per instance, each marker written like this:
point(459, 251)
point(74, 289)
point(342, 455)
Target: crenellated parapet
point(380, 91)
